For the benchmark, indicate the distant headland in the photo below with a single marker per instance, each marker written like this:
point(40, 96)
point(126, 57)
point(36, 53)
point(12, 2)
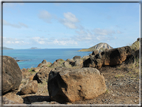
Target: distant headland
point(6, 48)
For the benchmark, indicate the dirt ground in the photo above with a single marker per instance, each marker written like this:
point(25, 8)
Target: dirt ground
point(122, 88)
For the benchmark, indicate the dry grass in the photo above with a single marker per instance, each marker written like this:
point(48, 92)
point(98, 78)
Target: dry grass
point(119, 75)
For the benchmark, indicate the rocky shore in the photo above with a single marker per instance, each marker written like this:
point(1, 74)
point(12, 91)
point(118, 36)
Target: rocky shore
point(107, 77)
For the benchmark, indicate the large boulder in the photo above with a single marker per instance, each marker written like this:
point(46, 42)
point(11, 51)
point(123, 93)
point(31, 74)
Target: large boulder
point(69, 85)
point(30, 88)
point(116, 56)
point(11, 74)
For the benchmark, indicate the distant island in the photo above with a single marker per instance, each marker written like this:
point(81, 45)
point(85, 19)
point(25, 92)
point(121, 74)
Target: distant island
point(6, 48)
point(99, 47)
point(34, 48)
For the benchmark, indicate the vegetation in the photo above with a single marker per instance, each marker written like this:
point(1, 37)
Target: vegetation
point(135, 46)
point(87, 50)
point(119, 75)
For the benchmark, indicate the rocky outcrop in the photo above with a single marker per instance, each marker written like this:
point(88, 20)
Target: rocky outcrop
point(69, 85)
point(12, 98)
point(11, 73)
point(109, 57)
point(30, 88)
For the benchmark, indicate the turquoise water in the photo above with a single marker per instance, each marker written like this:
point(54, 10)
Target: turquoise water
point(32, 57)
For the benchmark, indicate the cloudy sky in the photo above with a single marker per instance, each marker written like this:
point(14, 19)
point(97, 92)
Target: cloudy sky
point(69, 25)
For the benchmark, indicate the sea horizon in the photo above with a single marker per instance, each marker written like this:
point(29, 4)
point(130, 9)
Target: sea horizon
point(32, 57)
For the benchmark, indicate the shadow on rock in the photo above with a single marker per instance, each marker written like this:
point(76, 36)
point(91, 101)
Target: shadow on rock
point(36, 98)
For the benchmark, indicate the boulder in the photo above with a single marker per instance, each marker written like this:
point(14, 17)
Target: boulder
point(67, 64)
point(129, 59)
point(78, 62)
point(98, 63)
point(85, 57)
point(95, 52)
point(76, 57)
point(12, 98)
point(90, 62)
point(12, 75)
point(42, 75)
point(87, 62)
point(36, 69)
point(57, 63)
point(69, 85)
point(71, 61)
point(115, 56)
point(30, 88)
point(44, 63)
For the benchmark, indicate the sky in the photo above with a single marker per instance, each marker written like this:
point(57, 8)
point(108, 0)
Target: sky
point(69, 25)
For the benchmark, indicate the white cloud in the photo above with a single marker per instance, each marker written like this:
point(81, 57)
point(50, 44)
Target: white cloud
point(45, 16)
point(84, 35)
point(16, 41)
point(69, 20)
point(96, 34)
point(51, 41)
point(19, 25)
point(39, 40)
point(70, 17)
point(103, 32)
point(66, 42)
point(69, 24)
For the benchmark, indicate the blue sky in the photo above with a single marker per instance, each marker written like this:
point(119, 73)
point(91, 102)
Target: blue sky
point(69, 25)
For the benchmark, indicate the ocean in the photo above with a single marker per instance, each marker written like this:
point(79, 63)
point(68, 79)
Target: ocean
point(32, 57)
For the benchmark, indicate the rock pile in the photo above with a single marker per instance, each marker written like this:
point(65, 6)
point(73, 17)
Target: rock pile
point(109, 57)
